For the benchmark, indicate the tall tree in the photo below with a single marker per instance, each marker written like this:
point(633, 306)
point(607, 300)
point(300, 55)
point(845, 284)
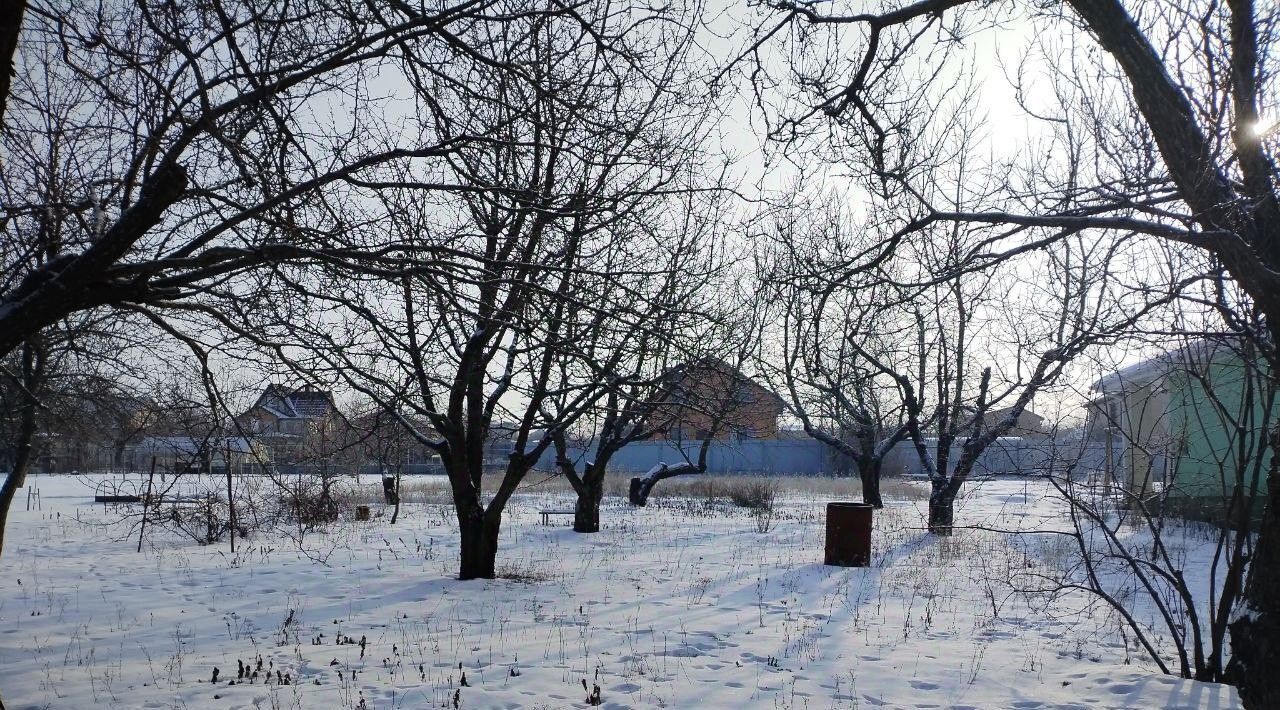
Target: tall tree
point(627, 371)
point(538, 265)
point(823, 322)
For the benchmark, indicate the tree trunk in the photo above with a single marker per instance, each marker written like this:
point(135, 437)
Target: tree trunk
point(586, 511)
point(941, 509)
point(869, 472)
point(479, 552)
point(1255, 634)
point(26, 434)
point(10, 27)
point(941, 515)
point(13, 482)
point(395, 513)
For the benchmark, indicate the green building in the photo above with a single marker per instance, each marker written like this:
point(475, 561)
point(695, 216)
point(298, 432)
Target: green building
point(1188, 429)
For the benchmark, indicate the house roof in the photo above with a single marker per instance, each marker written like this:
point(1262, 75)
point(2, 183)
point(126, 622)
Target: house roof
point(713, 363)
point(288, 403)
point(1036, 419)
point(1145, 372)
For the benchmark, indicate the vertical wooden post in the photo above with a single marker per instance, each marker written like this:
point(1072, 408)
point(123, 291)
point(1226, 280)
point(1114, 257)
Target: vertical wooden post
point(146, 501)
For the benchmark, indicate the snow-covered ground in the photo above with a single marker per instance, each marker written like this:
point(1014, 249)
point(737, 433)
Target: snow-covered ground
point(683, 604)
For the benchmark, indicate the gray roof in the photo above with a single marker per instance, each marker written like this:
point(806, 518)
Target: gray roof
point(285, 403)
point(1145, 372)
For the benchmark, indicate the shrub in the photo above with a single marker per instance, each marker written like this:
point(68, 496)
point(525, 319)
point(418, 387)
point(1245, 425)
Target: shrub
point(205, 519)
point(757, 494)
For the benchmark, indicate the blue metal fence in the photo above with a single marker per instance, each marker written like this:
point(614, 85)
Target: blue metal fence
point(804, 457)
point(808, 457)
point(1009, 456)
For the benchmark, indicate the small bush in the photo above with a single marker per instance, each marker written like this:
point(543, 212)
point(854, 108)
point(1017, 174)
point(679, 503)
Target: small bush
point(523, 572)
point(205, 520)
point(313, 502)
point(753, 494)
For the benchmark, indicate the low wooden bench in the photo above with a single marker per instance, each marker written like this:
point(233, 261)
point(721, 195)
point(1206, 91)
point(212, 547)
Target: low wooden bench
point(546, 515)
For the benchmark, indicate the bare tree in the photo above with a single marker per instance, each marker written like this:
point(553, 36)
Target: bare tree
point(628, 373)
point(26, 384)
point(153, 149)
point(387, 443)
point(66, 403)
point(690, 391)
point(959, 361)
point(1153, 127)
point(823, 321)
point(1200, 456)
point(530, 272)
point(1077, 301)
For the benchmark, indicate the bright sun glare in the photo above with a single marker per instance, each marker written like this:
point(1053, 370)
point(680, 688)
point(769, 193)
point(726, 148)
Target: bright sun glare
point(1263, 127)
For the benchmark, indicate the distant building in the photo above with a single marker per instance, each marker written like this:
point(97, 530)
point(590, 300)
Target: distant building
point(188, 454)
point(388, 447)
point(300, 428)
point(711, 398)
point(83, 429)
point(1029, 425)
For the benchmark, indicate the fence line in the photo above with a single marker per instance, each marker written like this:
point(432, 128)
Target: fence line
point(809, 457)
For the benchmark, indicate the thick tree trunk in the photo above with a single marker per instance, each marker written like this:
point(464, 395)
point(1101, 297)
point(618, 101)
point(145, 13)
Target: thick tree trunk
point(586, 511)
point(479, 551)
point(941, 509)
point(1255, 634)
point(941, 515)
point(642, 486)
point(10, 26)
point(869, 473)
point(12, 483)
point(26, 435)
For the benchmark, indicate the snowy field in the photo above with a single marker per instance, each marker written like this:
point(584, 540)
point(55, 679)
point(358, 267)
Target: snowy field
point(683, 604)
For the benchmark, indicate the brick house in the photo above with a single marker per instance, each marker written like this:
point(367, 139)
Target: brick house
point(711, 398)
